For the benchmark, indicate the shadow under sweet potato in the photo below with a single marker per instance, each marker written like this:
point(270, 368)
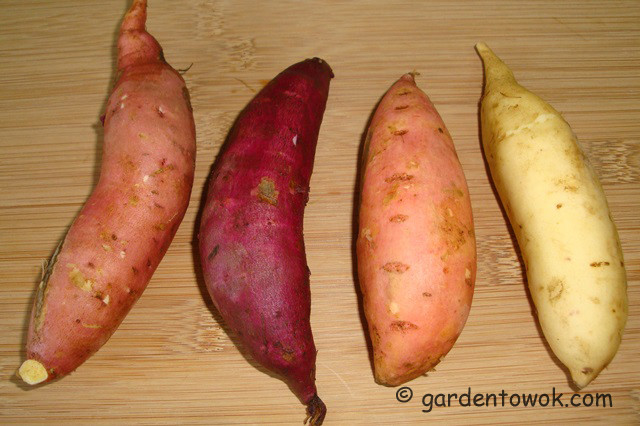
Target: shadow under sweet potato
point(354, 233)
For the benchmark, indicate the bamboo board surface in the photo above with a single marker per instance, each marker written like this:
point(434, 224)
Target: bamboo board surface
point(171, 361)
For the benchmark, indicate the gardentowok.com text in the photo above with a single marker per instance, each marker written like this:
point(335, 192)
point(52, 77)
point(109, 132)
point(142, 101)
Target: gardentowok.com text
point(431, 401)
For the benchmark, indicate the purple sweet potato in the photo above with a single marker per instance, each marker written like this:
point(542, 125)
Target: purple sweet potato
point(124, 229)
point(251, 243)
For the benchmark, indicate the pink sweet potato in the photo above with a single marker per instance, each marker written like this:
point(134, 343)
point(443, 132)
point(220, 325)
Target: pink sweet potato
point(251, 242)
point(416, 245)
point(115, 244)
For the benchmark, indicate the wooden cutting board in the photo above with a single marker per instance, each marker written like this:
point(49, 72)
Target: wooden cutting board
point(172, 361)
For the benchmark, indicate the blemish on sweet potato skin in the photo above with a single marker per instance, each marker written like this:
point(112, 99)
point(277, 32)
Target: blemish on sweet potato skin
point(395, 267)
point(287, 356)
point(367, 234)
point(455, 192)
point(555, 289)
point(163, 168)
point(568, 184)
point(267, 192)
point(403, 326)
point(391, 195)
point(412, 164)
point(77, 278)
point(213, 252)
point(452, 231)
point(40, 307)
point(399, 218)
point(402, 177)
point(295, 188)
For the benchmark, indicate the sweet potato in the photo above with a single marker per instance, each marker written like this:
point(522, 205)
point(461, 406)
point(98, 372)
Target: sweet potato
point(559, 213)
point(416, 245)
point(251, 242)
point(116, 242)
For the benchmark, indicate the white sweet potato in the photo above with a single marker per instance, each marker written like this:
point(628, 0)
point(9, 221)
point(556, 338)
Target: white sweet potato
point(560, 216)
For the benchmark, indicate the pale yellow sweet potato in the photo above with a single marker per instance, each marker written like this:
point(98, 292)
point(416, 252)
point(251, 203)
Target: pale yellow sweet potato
point(416, 244)
point(561, 219)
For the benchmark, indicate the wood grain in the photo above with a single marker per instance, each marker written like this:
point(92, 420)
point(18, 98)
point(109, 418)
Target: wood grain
point(172, 361)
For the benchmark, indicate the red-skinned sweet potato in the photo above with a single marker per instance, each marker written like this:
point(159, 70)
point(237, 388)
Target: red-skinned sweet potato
point(416, 244)
point(115, 244)
point(251, 242)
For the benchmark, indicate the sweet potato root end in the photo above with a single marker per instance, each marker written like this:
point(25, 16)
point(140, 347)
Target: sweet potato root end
point(316, 410)
point(33, 372)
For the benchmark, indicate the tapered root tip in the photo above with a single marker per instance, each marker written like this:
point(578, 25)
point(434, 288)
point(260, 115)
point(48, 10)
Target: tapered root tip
point(322, 63)
point(33, 372)
point(482, 47)
point(316, 410)
point(487, 54)
point(409, 77)
point(136, 17)
point(135, 45)
point(582, 378)
point(496, 72)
